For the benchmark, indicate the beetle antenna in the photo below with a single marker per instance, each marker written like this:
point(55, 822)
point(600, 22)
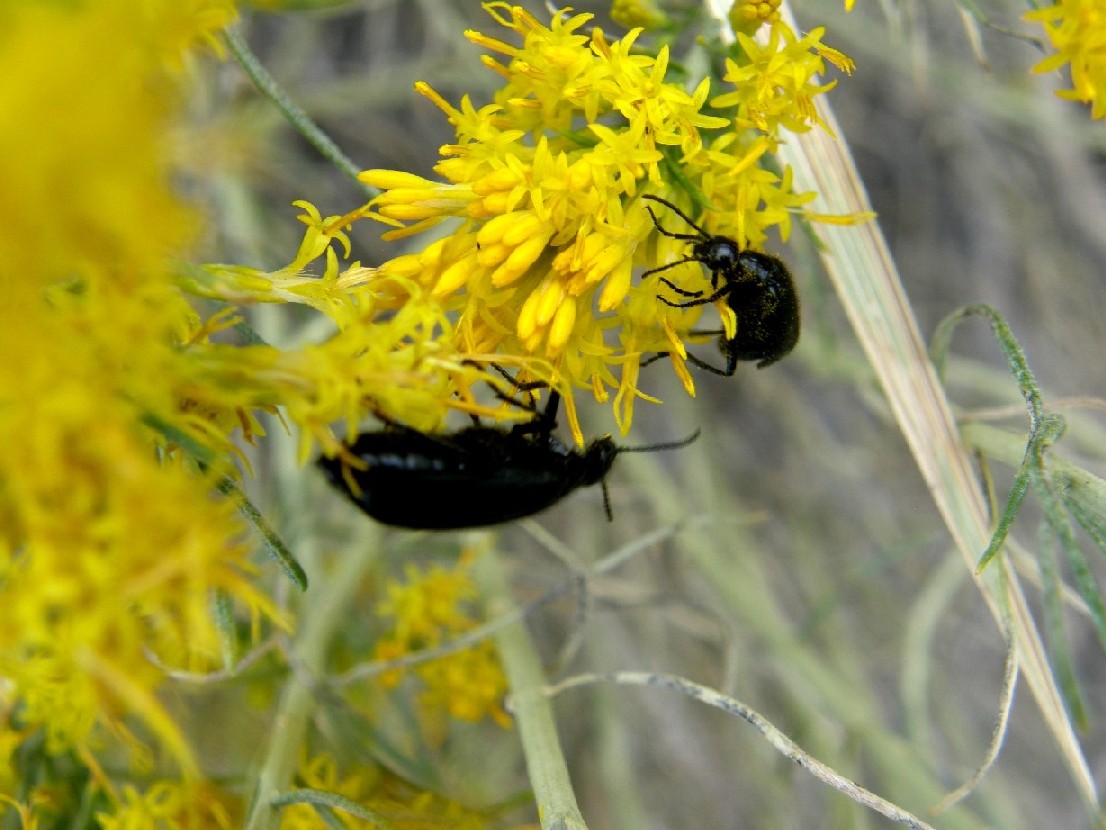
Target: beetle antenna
point(654, 358)
point(672, 445)
point(678, 212)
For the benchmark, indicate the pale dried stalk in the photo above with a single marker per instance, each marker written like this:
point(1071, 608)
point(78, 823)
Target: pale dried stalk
point(777, 739)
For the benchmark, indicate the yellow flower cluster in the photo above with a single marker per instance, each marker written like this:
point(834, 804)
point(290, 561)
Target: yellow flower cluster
point(1077, 30)
point(643, 13)
point(393, 355)
point(111, 542)
point(173, 804)
point(386, 801)
point(544, 188)
point(432, 608)
point(122, 408)
point(118, 411)
point(746, 16)
point(369, 790)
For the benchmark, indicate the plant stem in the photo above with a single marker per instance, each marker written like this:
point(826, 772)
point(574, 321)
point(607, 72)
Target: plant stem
point(532, 710)
point(295, 114)
point(325, 610)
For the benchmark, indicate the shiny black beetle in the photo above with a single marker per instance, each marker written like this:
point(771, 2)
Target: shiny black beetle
point(476, 477)
point(757, 286)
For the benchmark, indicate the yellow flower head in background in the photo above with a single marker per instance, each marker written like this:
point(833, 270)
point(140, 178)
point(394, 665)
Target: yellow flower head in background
point(544, 189)
point(430, 608)
point(387, 800)
point(120, 411)
point(1077, 30)
point(112, 542)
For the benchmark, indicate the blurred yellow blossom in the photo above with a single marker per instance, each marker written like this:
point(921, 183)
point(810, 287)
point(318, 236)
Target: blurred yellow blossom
point(1077, 30)
point(643, 13)
point(746, 16)
point(104, 100)
point(173, 805)
point(543, 187)
point(428, 610)
point(112, 542)
point(384, 799)
point(121, 407)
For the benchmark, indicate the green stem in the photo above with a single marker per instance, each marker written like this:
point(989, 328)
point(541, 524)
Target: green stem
point(326, 609)
point(272, 90)
point(532, 710)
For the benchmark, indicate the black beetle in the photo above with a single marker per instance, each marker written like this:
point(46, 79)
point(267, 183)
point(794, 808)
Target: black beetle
point(757, 287)
point(476, 477)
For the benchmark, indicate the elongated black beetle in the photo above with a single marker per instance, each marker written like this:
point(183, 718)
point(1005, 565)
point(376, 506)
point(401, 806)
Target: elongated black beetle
point(472, 478)
point(757, 286)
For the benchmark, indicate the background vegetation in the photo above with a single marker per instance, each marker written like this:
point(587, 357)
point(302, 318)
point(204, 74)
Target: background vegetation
point(813, 578)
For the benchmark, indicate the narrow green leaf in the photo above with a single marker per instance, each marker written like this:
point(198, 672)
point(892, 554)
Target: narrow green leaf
point(1009, 513)
point(297, 117)
point(195, 450)
point(249, 334)
point(1058, 652)
point(1043, 430)
point(222, 609)
point(1081, 571)
point(1084, 504)
point(1049, 429)
point(273, 543)
point(1015, 357)
point(333, 801)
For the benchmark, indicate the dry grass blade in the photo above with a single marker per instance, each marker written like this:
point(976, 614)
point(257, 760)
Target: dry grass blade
point(998, 735)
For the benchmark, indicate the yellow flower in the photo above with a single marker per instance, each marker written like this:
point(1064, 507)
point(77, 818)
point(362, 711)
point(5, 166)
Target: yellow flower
point(746, 16)
point(173, 805)
point(1077, 30)
point(394, 355)
point(773, 84)
point(400, 805)
point(106, 554)
point(111, 541)
point(401, 365)
point(643, 13)
point(543, 186)
point(431, 608)
point(103, 101)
